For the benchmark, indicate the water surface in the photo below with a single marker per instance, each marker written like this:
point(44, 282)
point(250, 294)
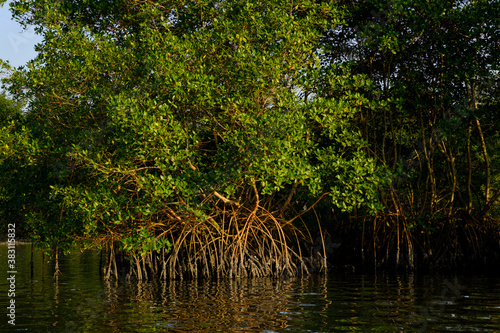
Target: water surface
point(79, 301)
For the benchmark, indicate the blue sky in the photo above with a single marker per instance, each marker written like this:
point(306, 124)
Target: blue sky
point(16, 44)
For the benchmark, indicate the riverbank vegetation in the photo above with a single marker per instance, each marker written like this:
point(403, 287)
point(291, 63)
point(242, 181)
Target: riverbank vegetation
point(253, 138)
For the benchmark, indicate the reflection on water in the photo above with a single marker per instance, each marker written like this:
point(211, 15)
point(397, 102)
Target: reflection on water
point(80, 302)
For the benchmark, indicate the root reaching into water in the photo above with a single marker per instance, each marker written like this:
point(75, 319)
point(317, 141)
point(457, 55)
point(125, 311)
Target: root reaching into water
point(234, 242)
point(244, 243)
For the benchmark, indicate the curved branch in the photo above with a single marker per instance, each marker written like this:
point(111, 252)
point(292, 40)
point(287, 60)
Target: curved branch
point(226, 200)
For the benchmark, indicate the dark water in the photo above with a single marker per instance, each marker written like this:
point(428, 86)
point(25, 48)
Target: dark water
point(80, 302)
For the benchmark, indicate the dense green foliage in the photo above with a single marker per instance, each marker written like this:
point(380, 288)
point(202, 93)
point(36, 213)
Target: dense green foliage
point(217, 126)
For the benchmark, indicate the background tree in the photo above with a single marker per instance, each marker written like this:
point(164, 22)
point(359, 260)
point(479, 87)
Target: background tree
point(428, 60)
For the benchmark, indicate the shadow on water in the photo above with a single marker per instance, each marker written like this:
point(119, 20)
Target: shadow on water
point(79, 301)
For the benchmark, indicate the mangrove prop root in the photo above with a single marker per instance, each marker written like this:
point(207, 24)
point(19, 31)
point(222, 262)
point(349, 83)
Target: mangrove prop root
point(241, 243)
